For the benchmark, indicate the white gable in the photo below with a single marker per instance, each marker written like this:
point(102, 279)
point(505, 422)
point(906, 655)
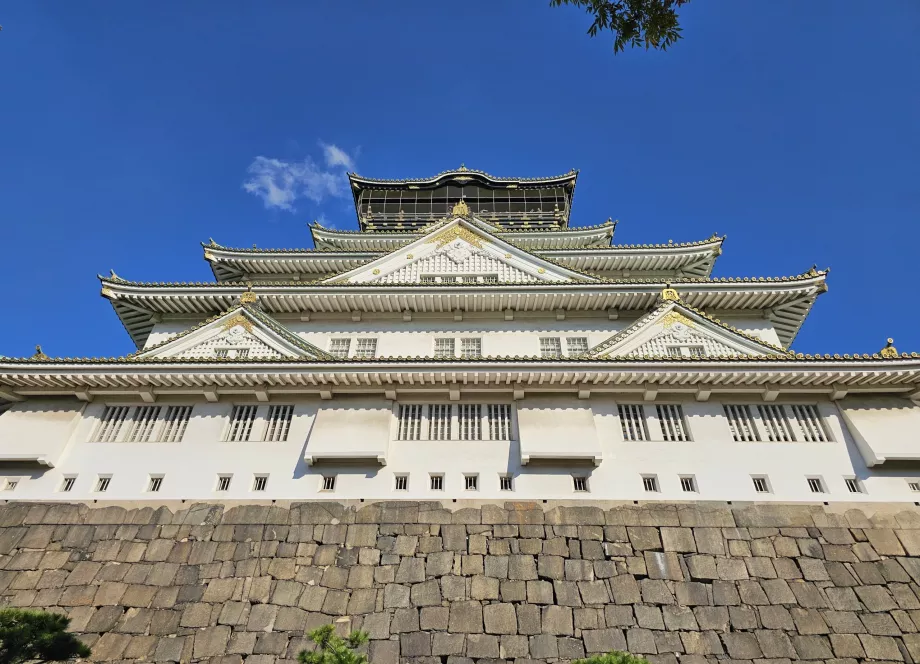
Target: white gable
point(460, 248)
point(235, 342)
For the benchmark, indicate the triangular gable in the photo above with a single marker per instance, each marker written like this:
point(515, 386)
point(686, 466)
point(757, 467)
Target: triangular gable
point(675, 330)
point(241, 333)
point(460, 250)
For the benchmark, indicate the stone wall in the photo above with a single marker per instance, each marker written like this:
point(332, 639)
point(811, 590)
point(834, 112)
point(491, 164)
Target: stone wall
point(220, 583)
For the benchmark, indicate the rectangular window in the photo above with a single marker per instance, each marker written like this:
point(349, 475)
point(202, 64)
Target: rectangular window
point(156, 481)
point(439, 421)
point(428, 279)
point(499, 421)
point(221, 353)
point(815, 485)
point(470, 421)
point(913, 486)
point(688, 483)
point(468, 279)
point(259, 482)
point(671, 418)
point(437, 483)
point(471, 482)
point(576, 345)
point(144, 421)
point(490, 279)
point(674, 351)
point(402, 483)
point(328, 483)
point(177, 418)
point(761, 485)
point(223, 482)
point(632, 420)
point(580, 483)
point(241, 420)
point(741, 423)
point(853, 485)
point(102, 484)
point(10, 485)
point(410, 422)
point(242, 353)
point(775, 423)
point(366, 349)
point(339, 348)
point(550, 347)
point(470, 347)
point(68, 483)
point(279, 423)
point(809, 423)
point(444, 347)
point(113, 419)
point(650, 483)
point(505, 483)
point(695, 351)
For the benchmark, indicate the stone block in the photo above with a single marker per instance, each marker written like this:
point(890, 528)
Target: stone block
point(885, 543)
point(466, 617)
point(644, 538)
point(415, 644)
point(641, 641)
point(447, 644)
point(484, 587)
point(528, 617)
point(625, 589)
point(557, 620)
point(497, 566)
point(211, 641)
point(426, 594)
point(405, 620)
point(544, 646)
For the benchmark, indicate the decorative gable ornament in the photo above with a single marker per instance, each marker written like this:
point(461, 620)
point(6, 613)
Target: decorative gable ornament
point(459, 251)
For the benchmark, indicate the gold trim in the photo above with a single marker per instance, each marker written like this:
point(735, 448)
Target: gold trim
point(461, 209)
point(458, 233)
point(674, 317)
point(669, 294)
point(889, 351)
point(241, 320)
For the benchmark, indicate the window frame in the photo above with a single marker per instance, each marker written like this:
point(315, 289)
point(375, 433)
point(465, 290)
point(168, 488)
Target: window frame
point(550, 353)
point(67, 483)
point(854, 485)
point(446, 421)
point(224, 482)
point(401, 478)
point(503, 479)
point(154, 483)
point(360, 353)
point(767, 488)
point(650, 483)
point(471, 482)
point(688, 481)
point(816, 484)
point(436, 478)
point(260, 479)
point(333, 341)
point(580, 483)
point(103, 482)
point(328, 483)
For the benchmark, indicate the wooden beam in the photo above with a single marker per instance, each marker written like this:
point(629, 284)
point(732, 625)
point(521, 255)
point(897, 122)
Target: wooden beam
point(838, 392)
point(584, 394)
point(325, 394)
point(261, 395)
point(10, 395)
point(390, 395)
point(147, 395)
point(84, 396)
point(518, 395)
point(454, 392)
point(210, 396)
point(770, 393)
point(703, 394)
point(650, 392)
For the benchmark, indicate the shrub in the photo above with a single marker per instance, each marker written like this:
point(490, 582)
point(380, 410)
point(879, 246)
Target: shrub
point(37, 635)
point(615, 657)
point(332, 648)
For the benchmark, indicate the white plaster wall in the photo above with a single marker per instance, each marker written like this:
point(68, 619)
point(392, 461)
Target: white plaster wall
point(38, 427)
point(884, 428)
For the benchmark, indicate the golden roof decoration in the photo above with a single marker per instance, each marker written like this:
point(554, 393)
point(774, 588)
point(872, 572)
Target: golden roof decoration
point(248, 296)
point(669, 294)
point(457, 233)
point(39, 354)
point(461, 209)
point(240, 320)
point(889, 351)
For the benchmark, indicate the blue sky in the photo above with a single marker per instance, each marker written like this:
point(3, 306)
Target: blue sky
point(130, 130)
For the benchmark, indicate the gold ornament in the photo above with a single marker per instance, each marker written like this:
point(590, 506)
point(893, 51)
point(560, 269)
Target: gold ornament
point(39, 355)
point(673, 318)
point(248, 297)
point(889, 351)
point(669, 294)
point(457, 233)
point(240, 320)
point(461, 209)
point(541, 271)
point(376, 271)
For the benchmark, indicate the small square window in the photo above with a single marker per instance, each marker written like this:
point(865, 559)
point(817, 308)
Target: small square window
point(223, 482)
point(328, 483)
point(68, 483)
point(10, 485)
point(815, 485)
point(471, 482)
point(155, 483)
point(402, 483)
point(221, 353)
point(259, 482)
point(102, 484)
point(913, 486)
point(437, 483)
point(579, 483)
point(761, 485)
point(853, 485)
point(505, 483)
point(650, 483)
point(688, 484)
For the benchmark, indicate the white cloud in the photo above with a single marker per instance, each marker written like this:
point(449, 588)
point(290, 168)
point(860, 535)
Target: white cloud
point(281, 183)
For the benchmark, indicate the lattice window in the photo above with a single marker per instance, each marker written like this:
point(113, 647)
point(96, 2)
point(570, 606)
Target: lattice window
point(113, 419)
point(809, 423)
point(102, 484)
point(241, 420)
point(471, 482)
point(410, 422)
point(402, 483)
point(428, 279)
point(68, 483)
point(328, 483)
point(761, 485)
point(815, 485)
point(221, 353)
point(279, 423)
point(674, 351)
point(853, 485)
point(366, 348)
point(741, 423)
point(688, 484)
point(155, 483)
point(505, 483)
point(470, 347)
point(223, 482)
point(260, 482)
point(339, 348)
point(444, 347)
point(775, 423)
point(671, 418)
point(437, 483)
point(439, 421)
point(695, 351)
point(576, 345)
point(177, 418)
point(550, 347)
point(490, 279)
point(499, 421)
point(632, 420)
point(470, 421)
point(242, 353)
point(143, 424)
point(650, 483)
point(580, 483)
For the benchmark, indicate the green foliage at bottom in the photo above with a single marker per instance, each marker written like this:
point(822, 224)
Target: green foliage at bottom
point(37, 635)
point(332, 648)
point(615, 657)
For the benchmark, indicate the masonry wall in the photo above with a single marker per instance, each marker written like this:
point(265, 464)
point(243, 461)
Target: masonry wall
point(515, 582)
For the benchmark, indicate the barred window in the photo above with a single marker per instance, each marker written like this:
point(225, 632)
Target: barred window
point(241, 420)
point(576, 345)
point(366, 348)
point(761, 485)
point(444, 347)
point(470, 347)
point(470, 421)
point(410, 422)
point(579, 483)
point(550, 347)
point(155, 483)
point(144, 421)
point(328, 483)
point(177, 418)
point(68, 483)
point(671, 418)
point(221, 353)
point(650, 483)
point(439, 421)
point(674, 351)
point(490, 279)
point(437, 482)
point(242, 353)
point(339, 348)
point(102, 484)
point(505, 483)
point(688, 484)
point(402, 483)
point(279, 423)
point(632, 421)
point(695, 351)
point(809, 423)
point(913, 486)
point(815, 485)
point(741, 423)
point(428, 279)
point(471, 482)
point(10, 485)
point(113, 419)
point(499, 421)
point(223, 482)
point(260, 482)
point(853, 485)
point(775, 423)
